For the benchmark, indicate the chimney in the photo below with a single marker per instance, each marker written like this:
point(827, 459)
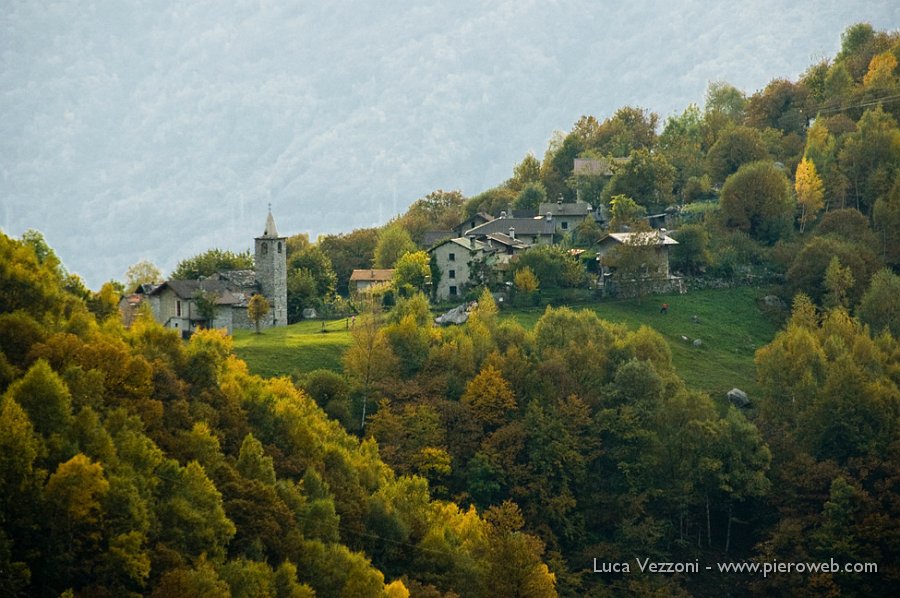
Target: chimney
point(503, 214)
point(661, 233)
point(559, 202)
point(549, 216)
point(472, 241)
point(512, 232)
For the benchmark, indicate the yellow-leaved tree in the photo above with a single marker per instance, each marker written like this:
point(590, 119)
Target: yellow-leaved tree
point(810, 191)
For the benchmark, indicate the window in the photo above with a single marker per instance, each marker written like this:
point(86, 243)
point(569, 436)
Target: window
point(265, 248)
point(452, 257)
point(453, 291)
point(279, 245)
point(565, 225)
point(451, 274)
point(178, 308)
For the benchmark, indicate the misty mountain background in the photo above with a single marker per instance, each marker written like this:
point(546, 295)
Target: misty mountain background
point(159, 129)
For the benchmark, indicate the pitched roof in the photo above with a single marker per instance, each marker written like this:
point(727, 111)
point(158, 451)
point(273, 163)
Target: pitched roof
point(579, 208)
point(523, 226)
point(506, 240)
point(245, 279)
point(226, 294)
point(270, 231)
point(372, 274)
point(642, 238)
point(465, 243)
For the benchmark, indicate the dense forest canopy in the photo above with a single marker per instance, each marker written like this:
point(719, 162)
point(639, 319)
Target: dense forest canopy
point(490, 459)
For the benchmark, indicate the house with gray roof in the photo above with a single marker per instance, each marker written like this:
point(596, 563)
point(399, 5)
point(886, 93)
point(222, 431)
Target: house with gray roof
point(567, 215)
point(654, 245)
point(540, 230)
point(463, 263)
point(221, 300)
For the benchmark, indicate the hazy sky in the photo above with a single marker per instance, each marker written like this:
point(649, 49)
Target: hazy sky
point(158, 129)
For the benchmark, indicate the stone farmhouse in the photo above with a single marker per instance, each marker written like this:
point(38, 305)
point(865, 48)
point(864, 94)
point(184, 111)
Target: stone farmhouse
point(462, 263)
point(178, 304)
point(656, 242)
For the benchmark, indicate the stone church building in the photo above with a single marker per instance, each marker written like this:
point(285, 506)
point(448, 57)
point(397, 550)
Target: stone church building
point(177, 303)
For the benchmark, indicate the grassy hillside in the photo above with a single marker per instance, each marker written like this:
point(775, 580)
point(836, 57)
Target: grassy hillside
point(730, 326)
point(298, 347)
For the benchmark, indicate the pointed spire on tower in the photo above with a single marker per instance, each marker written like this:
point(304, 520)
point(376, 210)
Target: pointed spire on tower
point(270, 232)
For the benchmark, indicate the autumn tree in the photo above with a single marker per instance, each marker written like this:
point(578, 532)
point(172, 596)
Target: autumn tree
point(257, 310)
point(810, 193)
point(525, 280)
point(490, 397)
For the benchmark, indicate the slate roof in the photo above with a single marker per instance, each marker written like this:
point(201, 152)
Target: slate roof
point(226, 294)
point(507, 241)
point(465, 243)
point(523, 226)
point(579, 208)
point(245, 279)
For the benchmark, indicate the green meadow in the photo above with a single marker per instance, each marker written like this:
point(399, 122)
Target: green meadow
point(300, 347)
point(728, 322)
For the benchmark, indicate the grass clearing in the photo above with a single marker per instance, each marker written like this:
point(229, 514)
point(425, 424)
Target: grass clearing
point(299, 347)
point(730, 326)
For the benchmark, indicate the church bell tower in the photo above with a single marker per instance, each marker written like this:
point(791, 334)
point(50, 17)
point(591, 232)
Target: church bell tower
point(271, 270)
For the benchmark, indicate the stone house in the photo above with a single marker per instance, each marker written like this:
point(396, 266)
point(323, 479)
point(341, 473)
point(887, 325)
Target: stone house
point(176, 303)
point(657, 244)
point(463, 263)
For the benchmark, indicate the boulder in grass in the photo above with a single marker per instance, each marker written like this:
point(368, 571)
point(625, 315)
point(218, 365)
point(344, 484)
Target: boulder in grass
point(457, 315)
point(738, 397)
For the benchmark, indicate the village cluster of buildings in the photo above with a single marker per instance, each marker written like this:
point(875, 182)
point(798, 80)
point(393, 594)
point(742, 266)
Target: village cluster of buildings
point(478, 245)
point(483, 243)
